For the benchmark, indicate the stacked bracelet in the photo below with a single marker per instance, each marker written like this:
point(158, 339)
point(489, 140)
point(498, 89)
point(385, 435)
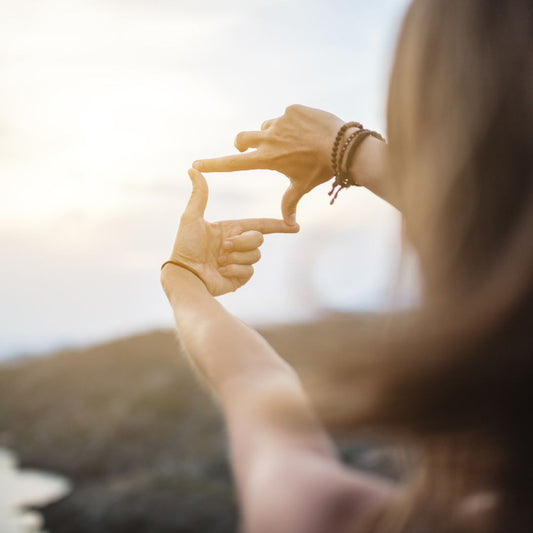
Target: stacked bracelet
point(342, 151)
point(338, 140)
point(342, 178)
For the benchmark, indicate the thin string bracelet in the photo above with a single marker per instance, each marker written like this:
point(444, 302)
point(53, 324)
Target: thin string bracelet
point(183, 265)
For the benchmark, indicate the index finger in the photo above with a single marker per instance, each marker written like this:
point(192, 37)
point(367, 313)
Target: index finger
point(247, 161)
point(267, 225)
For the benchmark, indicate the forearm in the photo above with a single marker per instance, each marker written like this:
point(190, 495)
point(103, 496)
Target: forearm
point(259, 393)
point(220, 346)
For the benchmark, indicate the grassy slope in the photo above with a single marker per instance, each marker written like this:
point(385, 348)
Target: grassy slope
point(130, 425)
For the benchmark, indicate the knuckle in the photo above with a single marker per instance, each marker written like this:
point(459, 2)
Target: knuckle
point(268, 163)
point(229, 163)
point(292, 109)
point(270, 125)
point(261, 158)
point(239, 139)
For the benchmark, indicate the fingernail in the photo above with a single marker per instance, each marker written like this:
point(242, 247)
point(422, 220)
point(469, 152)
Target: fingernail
point(222, 259)
point(292, 219)
point(197, 165)
point(222, 270)
point(228, 245)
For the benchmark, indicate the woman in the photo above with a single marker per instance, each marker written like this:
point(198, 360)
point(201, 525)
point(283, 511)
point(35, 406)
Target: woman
point(455, 378)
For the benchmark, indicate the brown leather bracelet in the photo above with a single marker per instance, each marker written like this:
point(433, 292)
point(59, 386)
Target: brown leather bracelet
point(342, 178)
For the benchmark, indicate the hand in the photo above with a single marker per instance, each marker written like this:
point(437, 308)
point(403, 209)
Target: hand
point(297, 144)
point(222, 253)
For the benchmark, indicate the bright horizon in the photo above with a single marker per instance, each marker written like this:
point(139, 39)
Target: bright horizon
point(104, 107)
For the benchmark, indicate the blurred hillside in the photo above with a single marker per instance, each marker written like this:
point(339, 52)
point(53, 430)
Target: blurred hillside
point(128, 423)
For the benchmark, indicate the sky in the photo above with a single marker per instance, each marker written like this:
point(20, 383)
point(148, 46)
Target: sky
point(104, 104)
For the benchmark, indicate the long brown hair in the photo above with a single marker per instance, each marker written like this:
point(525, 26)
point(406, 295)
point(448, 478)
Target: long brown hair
point(456, 376)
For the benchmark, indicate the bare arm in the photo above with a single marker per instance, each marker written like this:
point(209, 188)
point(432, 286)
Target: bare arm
point(287, 473)
point(285, 465)
point(298, 144)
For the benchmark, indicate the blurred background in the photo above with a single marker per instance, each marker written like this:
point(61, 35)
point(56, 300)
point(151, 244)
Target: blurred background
point(103, 107)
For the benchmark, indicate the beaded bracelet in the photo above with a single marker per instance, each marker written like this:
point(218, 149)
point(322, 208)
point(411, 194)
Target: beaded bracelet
point(346, 177)
point(343, 180)
point(342, 151)
point(337, 141)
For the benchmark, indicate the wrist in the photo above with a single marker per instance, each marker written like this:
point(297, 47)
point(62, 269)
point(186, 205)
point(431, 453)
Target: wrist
point(176, 280)
point(367, 168)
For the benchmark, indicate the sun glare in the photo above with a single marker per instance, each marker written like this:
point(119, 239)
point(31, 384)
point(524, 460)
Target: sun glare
point(106, 105)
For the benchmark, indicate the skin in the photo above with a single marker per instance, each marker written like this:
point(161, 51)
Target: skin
point(285, 466)
point(222, 253)
point(288, 476)
point(298, 144)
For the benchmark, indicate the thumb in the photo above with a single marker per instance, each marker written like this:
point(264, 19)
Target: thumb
point(198, 200)
point(288, 204)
